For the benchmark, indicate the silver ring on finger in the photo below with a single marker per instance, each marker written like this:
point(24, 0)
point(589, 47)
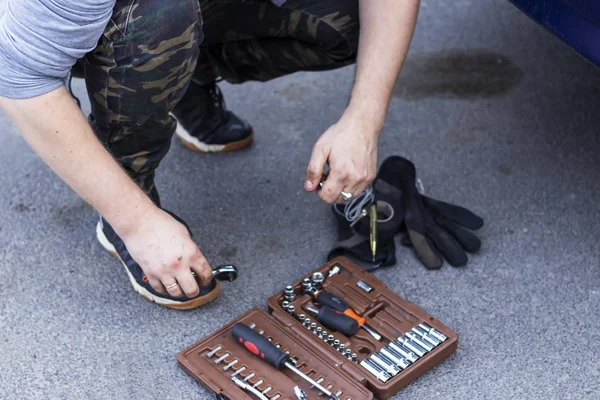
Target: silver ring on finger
point(346, 196)
point(171, 286)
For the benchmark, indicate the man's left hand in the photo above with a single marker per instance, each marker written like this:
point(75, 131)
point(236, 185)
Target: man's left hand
point(350, 149)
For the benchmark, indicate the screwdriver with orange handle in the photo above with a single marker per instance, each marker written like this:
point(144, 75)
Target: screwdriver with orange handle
point(330, 300)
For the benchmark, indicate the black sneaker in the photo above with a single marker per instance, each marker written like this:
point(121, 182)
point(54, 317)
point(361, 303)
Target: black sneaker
point(205, 125)
point(113, 243)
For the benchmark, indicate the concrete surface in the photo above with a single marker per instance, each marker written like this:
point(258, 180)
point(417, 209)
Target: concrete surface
point(497, 115)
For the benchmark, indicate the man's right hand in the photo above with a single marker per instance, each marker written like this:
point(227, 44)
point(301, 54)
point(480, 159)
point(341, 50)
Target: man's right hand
point(163, 248)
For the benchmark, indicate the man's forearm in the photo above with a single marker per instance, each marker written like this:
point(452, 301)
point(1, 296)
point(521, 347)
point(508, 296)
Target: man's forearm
point(58, 131)
point(386, 30)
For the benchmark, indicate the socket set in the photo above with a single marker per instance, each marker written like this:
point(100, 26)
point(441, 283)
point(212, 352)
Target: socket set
point(336, 333)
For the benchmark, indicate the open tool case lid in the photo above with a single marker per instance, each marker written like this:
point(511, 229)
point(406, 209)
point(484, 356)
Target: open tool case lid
point(386, 313)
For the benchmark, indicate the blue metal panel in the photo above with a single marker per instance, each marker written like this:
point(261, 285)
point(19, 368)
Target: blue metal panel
point(576, 22)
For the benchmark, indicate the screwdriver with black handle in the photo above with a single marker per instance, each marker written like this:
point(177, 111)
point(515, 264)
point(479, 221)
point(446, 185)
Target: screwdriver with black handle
point(335, 320)
point(330, 300)
point(262, 348)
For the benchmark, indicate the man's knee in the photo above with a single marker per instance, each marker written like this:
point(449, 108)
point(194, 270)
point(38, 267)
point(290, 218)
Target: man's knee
point(337, 29)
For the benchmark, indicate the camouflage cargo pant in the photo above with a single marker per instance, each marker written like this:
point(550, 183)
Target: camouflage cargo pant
point(151, 49)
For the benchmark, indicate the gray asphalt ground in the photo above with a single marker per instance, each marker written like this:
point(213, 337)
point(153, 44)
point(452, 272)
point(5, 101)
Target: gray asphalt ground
point(498, 116)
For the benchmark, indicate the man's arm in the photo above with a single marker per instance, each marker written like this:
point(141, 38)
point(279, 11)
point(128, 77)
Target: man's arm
point(39, 42)
point(387, 27)
point(350, 146)
point(57, 130)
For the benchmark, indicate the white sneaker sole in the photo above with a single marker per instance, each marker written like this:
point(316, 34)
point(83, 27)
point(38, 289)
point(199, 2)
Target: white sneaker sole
point(182, 305)
point(193, 143)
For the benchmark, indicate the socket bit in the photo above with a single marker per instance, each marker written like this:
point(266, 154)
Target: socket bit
point(436, 334)
point(375, 370)
point(385, 363)
point(396, 358)
point(418, 340)
point(415, 348)
point(348, 353)
point(317, 279)
point(336, 344)
point(364, 286)
point(430, 339)
point(285, 304)
point(319, 330)
point(307, 322)
point(224, 356)
point(291, 310)
point(301, 317)
point(354, 357)
point(342, 347)
point(330, 339)
point(404, 352)
point(334, 270)
point(289, 289)
point(348, 356)
point(290, 298)
point(313, 327)
point(324, 335)
point(213, 352)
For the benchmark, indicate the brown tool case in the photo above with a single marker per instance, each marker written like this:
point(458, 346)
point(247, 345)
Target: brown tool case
point(386, 313)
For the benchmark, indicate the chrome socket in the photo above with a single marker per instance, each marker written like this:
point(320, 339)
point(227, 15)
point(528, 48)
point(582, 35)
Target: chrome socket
point(334, 270)
point(330, 339)
point(436, 334)
point(418, 340)
point(376, 370)
point(317, 279)
point(291, 310)
point(336, 344)
point(341, 347)
point(412, 346)
point(405, 352)
point(430, 339)
point(313, 327)
point(396, 358)
point(301, 317)
point(385, 363)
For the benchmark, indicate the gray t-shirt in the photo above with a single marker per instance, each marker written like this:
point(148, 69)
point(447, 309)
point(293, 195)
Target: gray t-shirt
point(40, 40)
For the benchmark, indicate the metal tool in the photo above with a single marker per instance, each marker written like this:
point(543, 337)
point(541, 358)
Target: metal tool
point(338, 393)
point(261, 347)
point(385, 363)
point(334, 270)
point(306, 285)
point(301, 317)
point(348, 353)
point(324, 334)
point(250, 376)
point(354, 357)
point(285, 304)
point(364, 286)
point(313, 327)
point(325, 298)
point(258, 383)
point(330, 339)
point(317, 279)
point(396, 358)
point(267, 390)
point(373, 230)
point(300, 395)
point(213, 351)
point(248, 388)
point(430, 339)
point(374, 369)
point(224, 273)
point(289, 290)
point(239, 371)
point(231, 364)
point(319, 330)
point(436, 334)
point(291, 310)
point(224, 356)
point(418, 340)
point(404, 351)
point(415, 348)
point(341, 348)
point(276, 397)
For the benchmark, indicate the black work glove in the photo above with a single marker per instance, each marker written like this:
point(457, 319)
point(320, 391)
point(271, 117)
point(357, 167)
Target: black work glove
point(433, 228)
